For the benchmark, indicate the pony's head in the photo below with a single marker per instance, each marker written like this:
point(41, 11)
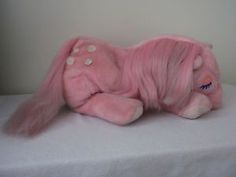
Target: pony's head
point(206, 77)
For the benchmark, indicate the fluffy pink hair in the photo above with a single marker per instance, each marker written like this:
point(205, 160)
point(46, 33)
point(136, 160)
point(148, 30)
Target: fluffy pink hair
point(37, 112)
point(147, 69)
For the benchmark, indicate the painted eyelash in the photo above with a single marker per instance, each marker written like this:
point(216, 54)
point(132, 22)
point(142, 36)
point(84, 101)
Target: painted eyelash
point(206, 86)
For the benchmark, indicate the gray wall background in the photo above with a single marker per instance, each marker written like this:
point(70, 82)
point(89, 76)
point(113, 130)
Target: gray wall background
point(31, 31)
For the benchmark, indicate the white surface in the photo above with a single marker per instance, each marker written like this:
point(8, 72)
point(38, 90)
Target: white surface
point(158, 145)
point(32, 31)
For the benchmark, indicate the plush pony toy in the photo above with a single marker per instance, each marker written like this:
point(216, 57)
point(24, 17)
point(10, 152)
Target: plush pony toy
point(171, 73)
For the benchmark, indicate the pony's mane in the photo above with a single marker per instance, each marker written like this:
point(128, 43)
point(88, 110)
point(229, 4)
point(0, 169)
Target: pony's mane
point(161, 70)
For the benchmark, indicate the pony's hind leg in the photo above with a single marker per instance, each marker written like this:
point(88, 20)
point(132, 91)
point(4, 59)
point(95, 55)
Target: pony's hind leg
point(112, 108)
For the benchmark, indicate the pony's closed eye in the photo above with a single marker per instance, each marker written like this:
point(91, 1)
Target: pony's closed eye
point(206, 86)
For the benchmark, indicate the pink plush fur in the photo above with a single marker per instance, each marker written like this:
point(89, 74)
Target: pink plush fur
point(171, 73)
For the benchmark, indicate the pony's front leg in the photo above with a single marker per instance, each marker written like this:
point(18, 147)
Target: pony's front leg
point(198, 105)
point(113, 108)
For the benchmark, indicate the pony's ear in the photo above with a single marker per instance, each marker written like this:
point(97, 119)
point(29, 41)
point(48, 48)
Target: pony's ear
point(197, 63)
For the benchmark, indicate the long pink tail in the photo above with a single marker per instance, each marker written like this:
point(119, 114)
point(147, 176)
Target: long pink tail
point(37, 112)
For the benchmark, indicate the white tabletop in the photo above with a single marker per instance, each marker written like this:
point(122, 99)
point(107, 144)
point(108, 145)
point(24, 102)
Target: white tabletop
point(159, 144)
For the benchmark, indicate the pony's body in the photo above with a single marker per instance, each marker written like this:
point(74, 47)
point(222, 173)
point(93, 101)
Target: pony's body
point(115, 84)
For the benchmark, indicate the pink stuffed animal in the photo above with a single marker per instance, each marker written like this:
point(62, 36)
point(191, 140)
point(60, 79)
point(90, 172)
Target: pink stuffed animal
point(172, 73)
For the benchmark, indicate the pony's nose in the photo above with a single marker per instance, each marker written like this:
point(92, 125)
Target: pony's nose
point(216, 98)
